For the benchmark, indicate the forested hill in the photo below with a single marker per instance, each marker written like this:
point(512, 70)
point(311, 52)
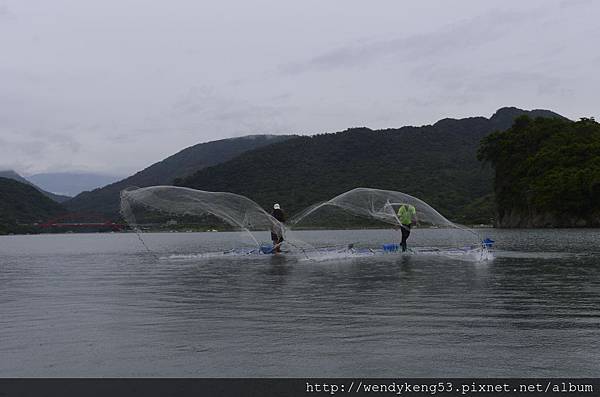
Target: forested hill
point(106, 199)
point(23, 204)
point(10, 174)
point(437, 163)
point(547, 173)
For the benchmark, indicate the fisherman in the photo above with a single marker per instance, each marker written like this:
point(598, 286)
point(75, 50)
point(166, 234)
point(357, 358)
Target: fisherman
point(407, 215)
point(277, 232)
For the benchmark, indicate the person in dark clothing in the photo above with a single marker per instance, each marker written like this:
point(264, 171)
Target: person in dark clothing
point(277, 235)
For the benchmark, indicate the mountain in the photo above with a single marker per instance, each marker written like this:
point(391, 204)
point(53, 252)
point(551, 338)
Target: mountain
point(547, 173)
point(21, 205)
point(437, 163)
point(504, 117)
point(71, 183)
point(10, 174)
point(106, 200)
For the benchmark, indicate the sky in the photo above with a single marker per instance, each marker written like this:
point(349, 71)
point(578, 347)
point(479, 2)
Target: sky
point(112, 86)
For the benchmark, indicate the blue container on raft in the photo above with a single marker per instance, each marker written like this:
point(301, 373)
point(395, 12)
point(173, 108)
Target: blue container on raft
point(488, 242)
point(266, 249)
point(391, 247)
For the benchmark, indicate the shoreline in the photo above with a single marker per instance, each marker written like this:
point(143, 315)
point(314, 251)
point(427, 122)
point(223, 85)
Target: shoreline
point(296, 230)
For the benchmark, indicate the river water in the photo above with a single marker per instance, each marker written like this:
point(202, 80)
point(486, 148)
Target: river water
point(101, 305)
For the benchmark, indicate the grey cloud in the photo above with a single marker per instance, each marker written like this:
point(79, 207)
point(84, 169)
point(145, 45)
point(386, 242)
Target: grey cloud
point(194, 100)
point(457, 79)
point(206, 107)
point(5, 13)
point(282, 97)
point(461, 36)
point(462, 88)
point(66, 140)
point(542, 84)
point(129, 90)
point(25, 149)
point(575, 3)
point(132, 135)
point(28, 147)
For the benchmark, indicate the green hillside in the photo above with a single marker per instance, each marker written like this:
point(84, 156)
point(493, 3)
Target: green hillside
point(22, 205)
point(10, 174)
point(106, 199)
point(547, 173)
point(437, 163)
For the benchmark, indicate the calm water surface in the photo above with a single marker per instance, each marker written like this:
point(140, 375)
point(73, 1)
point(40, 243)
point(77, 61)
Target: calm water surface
point(100, 305)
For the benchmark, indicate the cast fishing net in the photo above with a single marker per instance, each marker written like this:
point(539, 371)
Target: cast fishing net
point(170, 208)
point(360, 222)
point(365, 208)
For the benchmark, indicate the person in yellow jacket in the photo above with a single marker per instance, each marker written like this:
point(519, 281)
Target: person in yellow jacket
point(407, 215)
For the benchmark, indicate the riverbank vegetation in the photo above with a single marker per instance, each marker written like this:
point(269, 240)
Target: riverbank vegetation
point(21, 206)
point(546, 172)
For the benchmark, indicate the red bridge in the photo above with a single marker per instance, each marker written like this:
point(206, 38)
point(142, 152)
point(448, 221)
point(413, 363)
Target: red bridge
point(80, 220)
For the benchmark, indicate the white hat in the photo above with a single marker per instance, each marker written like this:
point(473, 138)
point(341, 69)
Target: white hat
point(276, 207)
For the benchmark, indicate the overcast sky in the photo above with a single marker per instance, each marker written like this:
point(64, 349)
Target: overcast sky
point(114, 85)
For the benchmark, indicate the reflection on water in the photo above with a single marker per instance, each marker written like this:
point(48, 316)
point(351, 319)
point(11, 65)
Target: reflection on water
point(99, 305)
